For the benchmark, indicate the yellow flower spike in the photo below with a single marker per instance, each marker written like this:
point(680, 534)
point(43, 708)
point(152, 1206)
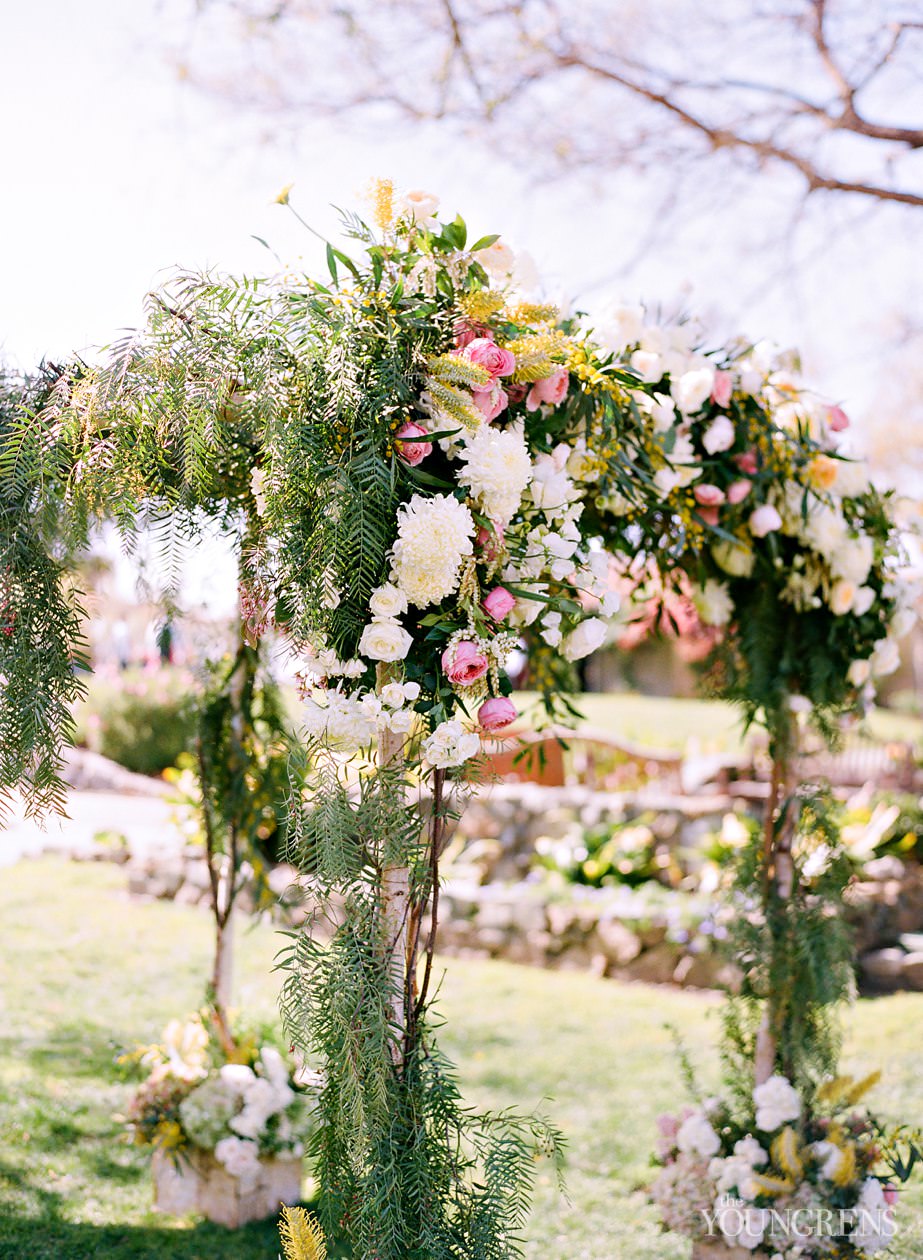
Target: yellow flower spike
point(282, 198)
point(834, 1090)
point(786, 1153)
point(381, 195)
point(861, 1088)
point(301, 1235)
point(773, 1185)
point(481, 305)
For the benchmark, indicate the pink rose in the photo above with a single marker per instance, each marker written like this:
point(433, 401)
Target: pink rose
point(493, 358)
point(468, 330)
point(708, 495)
point(490, 540)
point(465, 665)
point(496, 713)
point(738, 490)
point(550, 389)
point(709, 515)
point(837, 419)
point(747, 463)
point(499, 603)
point(412, 453)
point(490, 400)
point(722, 388)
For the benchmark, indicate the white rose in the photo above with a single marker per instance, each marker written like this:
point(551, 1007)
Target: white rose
point(385, 641)
point(764, 520)
point(841, 598)
point(663, 413)
point(734, 559)
point(777, 1103)
point(648, 365)
point(392, 694)
point(859, 673)
point(419, 205)
point(696, 1136)
point(387, 602)
point(400, 721)
point(865, 598)
point(621, 327)
point(886, 658)
point(497, 259)
point(693, 389)
point(585, 638)
point(719, 436)
point(713, 603)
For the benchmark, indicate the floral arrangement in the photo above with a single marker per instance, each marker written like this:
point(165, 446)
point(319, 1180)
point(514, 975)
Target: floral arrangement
point(781, 1179)
point(787, 551)
point(193, 1099)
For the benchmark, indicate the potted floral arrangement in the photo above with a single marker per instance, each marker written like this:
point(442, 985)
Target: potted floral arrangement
point(227, 1136)
point(772, 1175)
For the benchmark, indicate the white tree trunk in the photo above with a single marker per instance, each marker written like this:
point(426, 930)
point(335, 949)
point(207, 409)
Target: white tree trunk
point(395, 895)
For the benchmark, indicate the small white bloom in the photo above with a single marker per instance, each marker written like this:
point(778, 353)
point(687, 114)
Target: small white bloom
point(852, 558)
point(587, 637)
point(411, 691)
point(450, 745)
point(859, 673)
point(886, 658)
point(841, 598)
point(719, 436)
point(764, 520)
point(419, 206)
point(693, 389)
point(696, 1136)
point(621, 326)
point(392, 694)
point(713, 603)
point(241, 1158)
point(400, 721)
point(258, 489)
point(648, 365)
point(865, 598)
point(777, 1103)
point(497, 260)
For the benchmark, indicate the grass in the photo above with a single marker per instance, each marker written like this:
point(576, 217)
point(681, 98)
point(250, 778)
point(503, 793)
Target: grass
point(85, 972)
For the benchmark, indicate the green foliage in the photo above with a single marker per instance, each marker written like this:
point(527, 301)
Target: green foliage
point(149, 721)
point(796, 951)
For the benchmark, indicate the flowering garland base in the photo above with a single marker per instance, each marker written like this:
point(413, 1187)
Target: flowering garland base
point(719, 1251)
point(199, 1183)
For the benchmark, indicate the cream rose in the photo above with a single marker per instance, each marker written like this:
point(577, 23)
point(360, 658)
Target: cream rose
point(385, 641)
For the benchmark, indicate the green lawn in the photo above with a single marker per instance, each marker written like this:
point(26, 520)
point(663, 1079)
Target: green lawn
point(85, 972)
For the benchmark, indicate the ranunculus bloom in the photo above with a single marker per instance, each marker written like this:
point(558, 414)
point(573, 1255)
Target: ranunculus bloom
point(708, 495)
point(747, 463)
point(490, 541)
point(412, 452)
point(738, 490)
point(465, 664)
point(764, 520)
point(468, 330)
point(496, 713)
point(490, 400)
point(493, 358)
point(499, 603)
point(722, 388)
point(710, 515)
point(822, 472)
point(837, 419)
point(550, 389)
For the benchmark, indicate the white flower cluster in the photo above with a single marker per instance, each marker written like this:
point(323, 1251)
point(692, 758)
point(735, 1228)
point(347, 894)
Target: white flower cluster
point(434, 537)
point(450, 745)
point(343, 722)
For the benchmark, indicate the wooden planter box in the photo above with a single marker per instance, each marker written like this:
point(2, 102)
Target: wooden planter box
point(200, 1184)
point(719, 1250)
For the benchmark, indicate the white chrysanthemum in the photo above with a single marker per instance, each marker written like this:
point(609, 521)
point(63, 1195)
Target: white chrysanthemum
point(497, 470)
point(713, 603)
point(434, 536)
point(450, 745)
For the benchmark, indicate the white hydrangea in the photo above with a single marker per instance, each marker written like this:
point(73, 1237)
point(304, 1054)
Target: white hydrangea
point(777, 1102)
point(343, 723)
point(497, 470)
point(240, 1157)
point(713, 603)
point(434, 537)
point(697, 1136)
point(450, 745)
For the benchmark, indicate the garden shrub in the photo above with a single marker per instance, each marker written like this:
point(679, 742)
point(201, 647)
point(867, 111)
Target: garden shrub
point(149, 721)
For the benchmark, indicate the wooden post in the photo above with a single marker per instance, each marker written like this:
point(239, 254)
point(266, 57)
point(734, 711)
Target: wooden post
point(395, 895)
point(778, 872)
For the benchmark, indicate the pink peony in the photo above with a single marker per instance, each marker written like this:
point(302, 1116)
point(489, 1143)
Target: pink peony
point(746, 462)
point(550, 389)
point(496, 713)
point(722, 388)
point(709, 515)
point(738, 490)
point(487, 354)
point(490, 400)
point(837, 419)
point(708, 495)
point(465, 665)
point(499, 603)
point(412, 453)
